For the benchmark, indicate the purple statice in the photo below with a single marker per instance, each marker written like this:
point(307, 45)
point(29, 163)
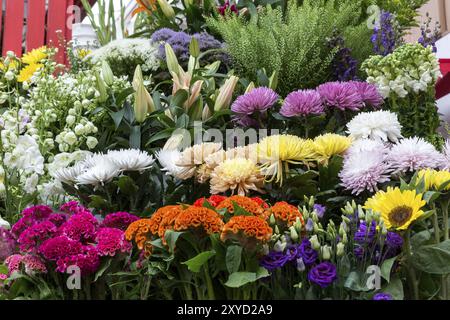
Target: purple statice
point(341, 95)
point(34, 235)
point(7, 244)
point(365, 235)
point(385, 37)
point(227, 7)
point(369, 93)
point(319, 210)
point(302, 103)
point(81, 227)
point(323, 274)
point(344, 66)
point(428, 36)
point(382, 296)
point(307, 253)
point(274, 260)
point(119, 220)
point(111, 241)
point(258, 100)
point(88, 260)
point(162, 34)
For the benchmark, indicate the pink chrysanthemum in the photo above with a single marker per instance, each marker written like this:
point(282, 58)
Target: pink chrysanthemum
point(35, 235)
point(413, 154)
point(302, 103)
point(111, 241)
point(341, 95)
point(81, 227)
point(257, 100)
point(59, 247)
point(88, 260)
point(119, 220)
point(365, 169)
point(369, 93)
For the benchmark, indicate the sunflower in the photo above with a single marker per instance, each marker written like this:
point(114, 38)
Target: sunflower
point(35, 56)
point(278, 151)
point(330, 144)
point(398, 208)
point(27, 72)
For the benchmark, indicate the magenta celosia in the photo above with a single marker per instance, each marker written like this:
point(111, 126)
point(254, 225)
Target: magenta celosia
point(88, 260)
point(59, 247)
point(302, 103)
point(58, 219)
point(73, 207)
point(37, 212)
point(111, 241)
point(341, 95)
point(7, 244)
point(81, 227)
point(34, 235)
point(119, 220)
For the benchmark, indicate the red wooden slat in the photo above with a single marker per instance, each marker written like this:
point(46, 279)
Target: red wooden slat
point(69, 23)
point(12, 34)
point(35, 24)
point(56, 20)
point(1, 16)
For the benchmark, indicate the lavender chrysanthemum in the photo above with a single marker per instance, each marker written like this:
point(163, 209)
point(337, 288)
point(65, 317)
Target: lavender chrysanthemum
point(302, 103)
point(369, 93)
point(365, 169)
point(341, 95)
point(257, 100)
point(413, 154)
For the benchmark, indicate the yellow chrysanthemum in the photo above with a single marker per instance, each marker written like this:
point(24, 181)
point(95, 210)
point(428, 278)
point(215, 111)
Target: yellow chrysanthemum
point(27, 72)
point(239, 174)
point(278, 150)
point(12, 65)
point(440, 178)
point(398, 208)
point(330, 144)
point(434, 179)
point(35, 56)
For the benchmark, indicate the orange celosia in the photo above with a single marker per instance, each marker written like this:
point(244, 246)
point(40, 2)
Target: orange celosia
point(168, 220)
point(158, 217)
point(199, 218)
point(139, 232)
point(245, 203)
point(248, 226)
point(286, 212)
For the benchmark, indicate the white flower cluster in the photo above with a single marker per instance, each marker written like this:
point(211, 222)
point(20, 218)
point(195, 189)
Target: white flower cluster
point(98, 169)
point(377, 125)
point(411, 68)
point(126, 52)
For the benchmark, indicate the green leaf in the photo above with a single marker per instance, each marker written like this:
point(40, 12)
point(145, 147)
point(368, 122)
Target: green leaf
point(386, 268)
point(239, 279)
point(160, 135)
point(233, 258)
point(127, 185)
point(117, 117)
point(179, 98)
point(431, 196)
point(135, 137)
point(103, 267)
point(433, 259)
point(199, 260)
point(171, 238)
point(395, 289)
point(354, 282)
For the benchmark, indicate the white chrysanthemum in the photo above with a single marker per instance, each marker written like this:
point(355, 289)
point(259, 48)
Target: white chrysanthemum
point(131, 159)
point(241, 175)
point(104, 171)
point(364, 170)
point(413, 154)
point(4, 224)
point(168, 159)
point(69, 175)
point(367, 145)
point(445, 165)
point(377, 125)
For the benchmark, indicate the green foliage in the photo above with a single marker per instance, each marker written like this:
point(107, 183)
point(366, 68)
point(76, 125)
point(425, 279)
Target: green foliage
point(294, 44)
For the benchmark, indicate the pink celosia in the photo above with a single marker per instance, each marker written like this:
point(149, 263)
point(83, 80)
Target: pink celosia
point(81, 227)
point(111, 241)
point(36, 234)
point(59, 247)
point(33, 264)
point(119, 220)
point(88, 260)
point(13, 263)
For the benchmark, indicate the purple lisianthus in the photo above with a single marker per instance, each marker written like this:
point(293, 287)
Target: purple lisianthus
point(394, 243)
point(320, 210)
point(257, 100)
point(369, 93)
point(307, 253)
point(382, 296)
point(365, 235)
point(341, 95)
point(323, 274)
point(302, 103)
point(274, 260)
point(293, 252)
point(358, 252)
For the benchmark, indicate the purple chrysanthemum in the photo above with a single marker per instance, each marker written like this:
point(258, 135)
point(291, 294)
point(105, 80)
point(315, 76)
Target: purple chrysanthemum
point(369, 93)
point(341, 95)
point(323, 274)
point(257, 100)
point(302, 103)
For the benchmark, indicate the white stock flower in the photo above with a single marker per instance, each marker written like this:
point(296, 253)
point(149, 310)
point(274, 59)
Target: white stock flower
point(377, 125)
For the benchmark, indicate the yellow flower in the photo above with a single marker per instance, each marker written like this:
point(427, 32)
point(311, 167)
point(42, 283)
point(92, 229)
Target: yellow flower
point(398, 208)
point(274, 151)
point(34, 56)
point(27, 72)
point(12, 65)
point(241, 175)
point(330, 144)
point(441, 177)
point(434, 179)
point(83, 53)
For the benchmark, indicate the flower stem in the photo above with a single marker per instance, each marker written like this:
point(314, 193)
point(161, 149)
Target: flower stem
point(411, 271)
point(209, 285)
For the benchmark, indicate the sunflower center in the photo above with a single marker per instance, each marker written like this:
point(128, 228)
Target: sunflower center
point(400, 215)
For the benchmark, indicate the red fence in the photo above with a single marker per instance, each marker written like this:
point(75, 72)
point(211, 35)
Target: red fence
point(39, 27)
point(443, 85)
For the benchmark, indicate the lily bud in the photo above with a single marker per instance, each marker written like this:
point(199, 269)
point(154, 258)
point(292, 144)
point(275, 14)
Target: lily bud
point(141, 104)
point(171, 59)
point(107, 73)
point(294, 234)
point(206, 114)
point(273, 81)
point(194, 48)
point(342, 228)
point(315, 244)
point(167, 9)
point(326, 252)
point(195, 92)
point(223, 100)
point(250, 87)
point(101, 87)
point(173, 142)
point(298, 225)
point(340, 249)
point(311, 200)
point(138, 78)
point(272, 219)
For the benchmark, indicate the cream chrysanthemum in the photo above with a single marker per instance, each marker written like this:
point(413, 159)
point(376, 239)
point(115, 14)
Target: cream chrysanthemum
point(193, 157)
point(239, 175)
point(377, 125)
